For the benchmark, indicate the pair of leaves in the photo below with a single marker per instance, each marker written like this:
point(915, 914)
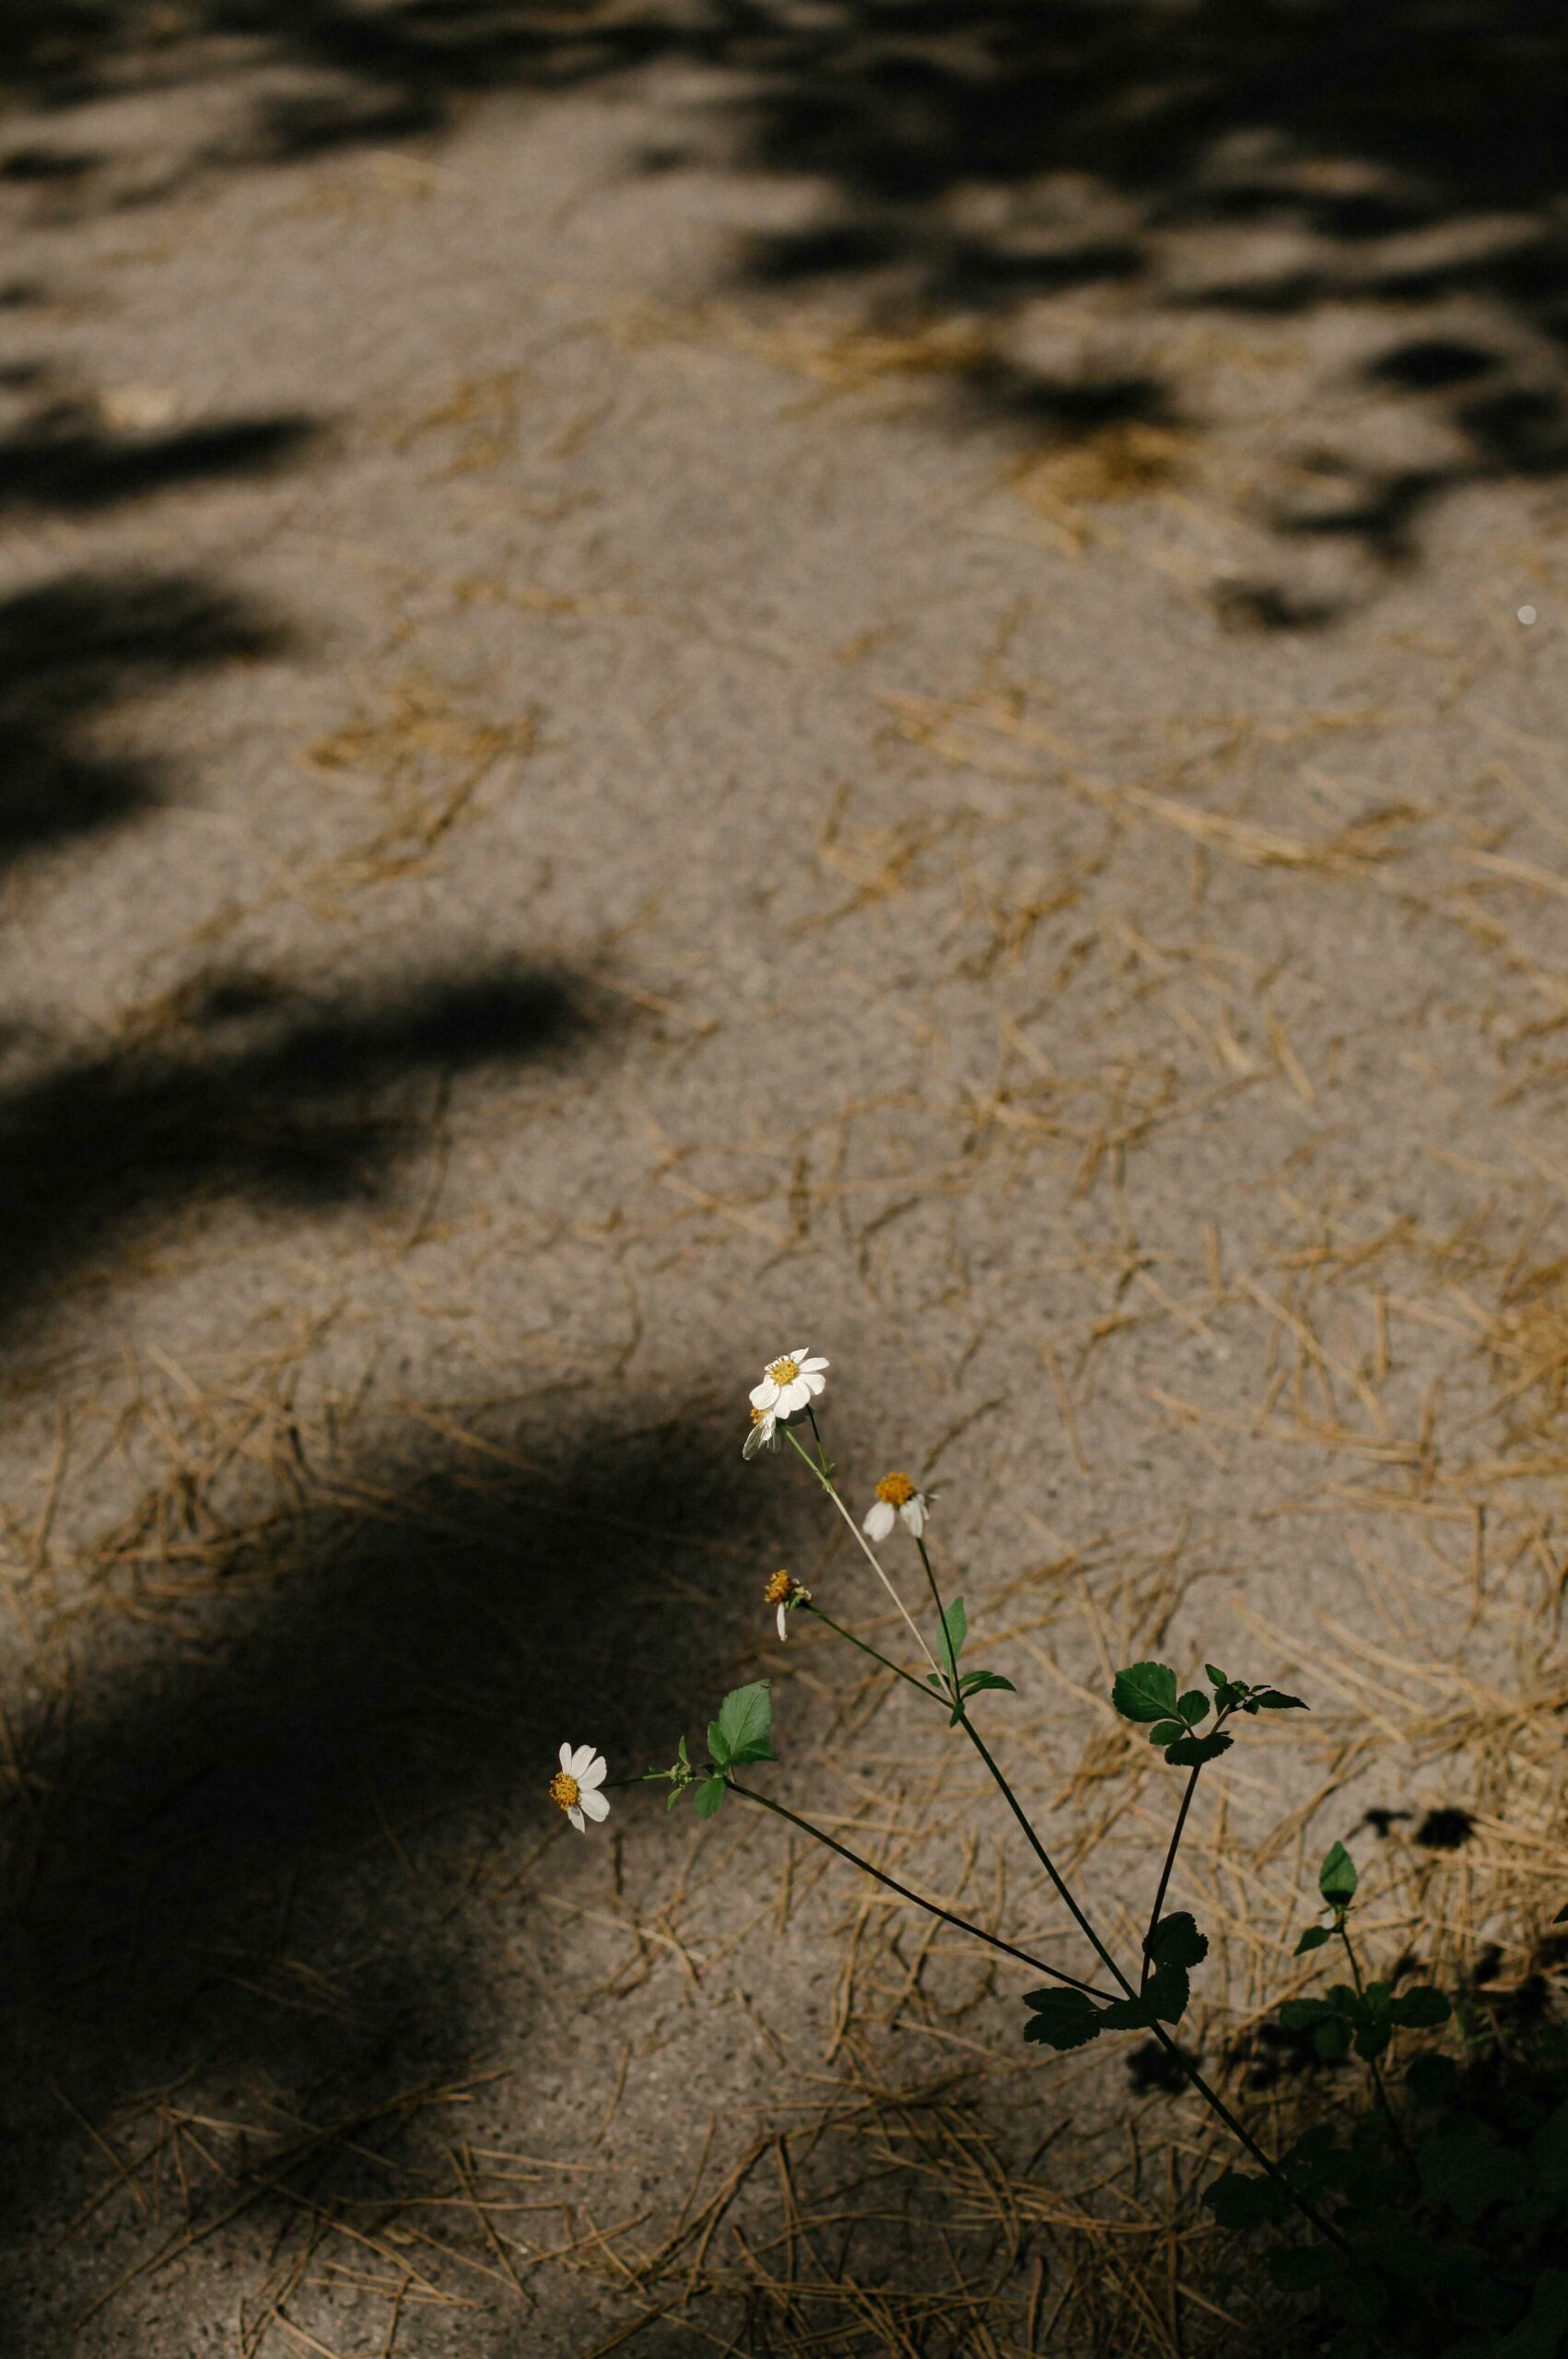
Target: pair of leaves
point(1064, 2018)
point(1366, 2020)
point(738, 1737)
point(950, 1645)
point(1146, 1694)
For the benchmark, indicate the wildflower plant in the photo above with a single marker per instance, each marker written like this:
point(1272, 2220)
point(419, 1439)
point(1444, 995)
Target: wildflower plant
point(1347, 2201)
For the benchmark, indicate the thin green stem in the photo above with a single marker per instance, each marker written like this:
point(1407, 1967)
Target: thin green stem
point(826, 1482)
point(866, 1648)
point(919, 1899)
point(1171, 1849)
point(950, 1680)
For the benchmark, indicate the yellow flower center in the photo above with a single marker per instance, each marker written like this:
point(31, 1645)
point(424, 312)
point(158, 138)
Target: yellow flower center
point(780, 1589)
point(783, 1372)
point(896, 1489)
point(759, 1417)
point(564, 1789)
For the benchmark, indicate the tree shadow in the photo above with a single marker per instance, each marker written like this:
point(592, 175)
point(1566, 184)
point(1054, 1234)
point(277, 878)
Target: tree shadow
point(69, 652)
point(1272, 161)
point(245, 1089)
point(271, 1862)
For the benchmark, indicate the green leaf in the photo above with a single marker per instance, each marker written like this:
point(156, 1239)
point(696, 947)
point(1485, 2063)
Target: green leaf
point(709, 1796)
point(1193, 1706)
point(1167, 1990)
point(1562, 1916)
point(1332, 2039)
point(1239, 2201)
point(1313, 1939)
point(1215, 1676)
point(1167, 1732)
point(973, 1680)
point(1300, 2014)
point(1337, 1878)
point(1192, 1752)
point(951, 1636)
point(741, 1732)
point(1061, 2018)
point(1371, 2038)
point(1176, 1940)
point(1421, 2008)
point(1272, 1700)
point(1146, 1691)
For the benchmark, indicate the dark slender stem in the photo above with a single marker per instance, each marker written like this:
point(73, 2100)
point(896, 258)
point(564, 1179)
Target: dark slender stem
point(817, 1436)
point(866, 1648)
point(949, 1669)
point(919, 1899)
point(1171, 1849)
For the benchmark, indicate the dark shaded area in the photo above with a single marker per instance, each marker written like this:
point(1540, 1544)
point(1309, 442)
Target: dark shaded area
point(276, 1859)
point(1445, 1830)
point(980, 153)
point(69, 653)
point(243, 1089)
point(62, 459)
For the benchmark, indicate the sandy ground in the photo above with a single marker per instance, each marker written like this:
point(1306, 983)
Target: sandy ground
point(671, 683)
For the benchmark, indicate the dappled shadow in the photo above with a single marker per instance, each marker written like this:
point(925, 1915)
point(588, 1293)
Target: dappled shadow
point(69, 652)
point(244, 1088)
point(285, 1862)
point(63, 458)
point(1346, 157)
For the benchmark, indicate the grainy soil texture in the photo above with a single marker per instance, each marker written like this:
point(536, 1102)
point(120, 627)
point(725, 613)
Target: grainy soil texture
point(681, 679)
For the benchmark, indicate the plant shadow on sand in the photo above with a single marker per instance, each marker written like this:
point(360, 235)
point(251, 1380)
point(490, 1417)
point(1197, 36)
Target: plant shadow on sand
point(1398, 161)
point(265, 1871)
point(238, 1086)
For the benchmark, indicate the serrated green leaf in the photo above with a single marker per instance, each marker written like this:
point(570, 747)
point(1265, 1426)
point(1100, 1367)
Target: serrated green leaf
point(1193, 1706)
point(1146, 1691)
point(1215, 1677)
point(1371, 2038)
point(1192, 1752)
point(709, 1796)
point(1337, 1878)
point(1332, 2039)
point(1300, 2014)
point(1167, 1990)
point(1061, 2018)
point(973, 1680)
point(1270, 1700)
point(1167, 1732)
point(746, 1719)
point(1313, 1939)
point(1422, 2008)
point(1176, 1940)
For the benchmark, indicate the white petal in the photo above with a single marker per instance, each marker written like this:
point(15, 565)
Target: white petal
point(577, 1818)
point(794, 1396)
point(799, 1354)
point(879, 1522)
point(812, 1382)
point(914, 1514)
point(566, 1759)
point(594, 1775)
point(595, 1805)
point(764, 1395)
point(783, 1625)
point(579, 1761)
point(753, 1441)
point(810, 1368)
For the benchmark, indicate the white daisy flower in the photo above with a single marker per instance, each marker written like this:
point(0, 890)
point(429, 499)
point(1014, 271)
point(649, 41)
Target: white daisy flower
point(762, 1435)
point(785, 1591)
point(789, 1383)
point(896, 1497)
point(576, 1785)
